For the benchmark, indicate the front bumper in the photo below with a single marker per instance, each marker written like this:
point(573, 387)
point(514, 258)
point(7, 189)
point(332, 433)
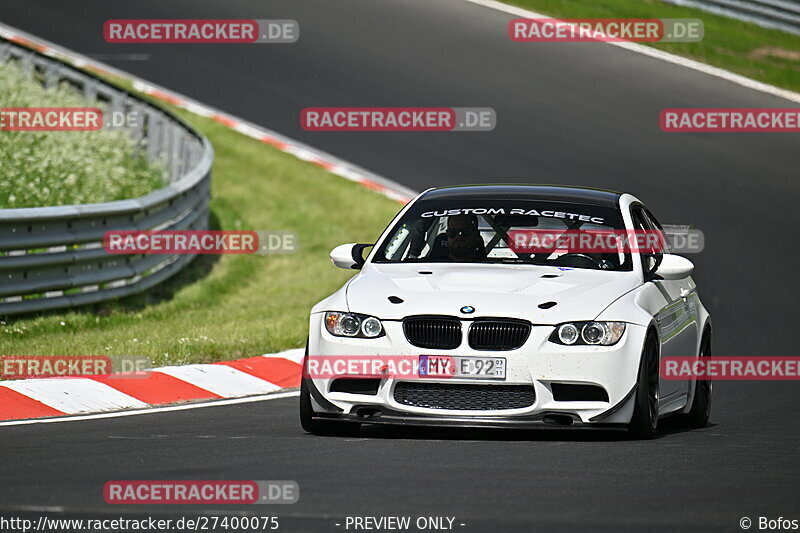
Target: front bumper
point(554, 420)
point(538, 363)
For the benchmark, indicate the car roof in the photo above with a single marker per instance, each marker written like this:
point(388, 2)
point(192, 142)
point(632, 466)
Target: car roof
point(554, 193)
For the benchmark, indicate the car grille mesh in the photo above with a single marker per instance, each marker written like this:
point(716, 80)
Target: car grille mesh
point(436, 333)
point(498, 335)
point(464, 397)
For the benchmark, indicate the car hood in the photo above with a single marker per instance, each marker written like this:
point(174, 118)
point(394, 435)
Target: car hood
point(513, 291)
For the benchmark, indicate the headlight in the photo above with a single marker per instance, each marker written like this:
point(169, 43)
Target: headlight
point(352, 325)
point(371, 327)
point(568, 333)
point(588, 333)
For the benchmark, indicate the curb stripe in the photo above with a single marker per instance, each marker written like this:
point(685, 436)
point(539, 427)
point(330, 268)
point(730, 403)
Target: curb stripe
point(167, 98)
point(157, 388)
point(273, 142)
point(295, 354)
point(74, 395)
point(225, 121)
point(220, 379)
point(281, 372)
point(16, 405)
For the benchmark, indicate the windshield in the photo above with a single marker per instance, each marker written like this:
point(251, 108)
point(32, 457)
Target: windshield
point(488, 231)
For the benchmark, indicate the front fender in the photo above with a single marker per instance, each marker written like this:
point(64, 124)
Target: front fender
point(638, 306)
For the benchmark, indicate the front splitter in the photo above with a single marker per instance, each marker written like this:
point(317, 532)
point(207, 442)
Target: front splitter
point(539, 421)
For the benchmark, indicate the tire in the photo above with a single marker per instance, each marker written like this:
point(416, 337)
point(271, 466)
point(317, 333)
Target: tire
point(320, 427)
point(644, 422)
point(698, 415)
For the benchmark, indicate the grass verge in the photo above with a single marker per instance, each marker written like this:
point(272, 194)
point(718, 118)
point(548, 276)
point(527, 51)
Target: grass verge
point(770, 56)
point(230, 306)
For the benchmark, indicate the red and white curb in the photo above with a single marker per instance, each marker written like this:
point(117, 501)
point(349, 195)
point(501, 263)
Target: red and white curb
point(331, 163)
point(36, 398)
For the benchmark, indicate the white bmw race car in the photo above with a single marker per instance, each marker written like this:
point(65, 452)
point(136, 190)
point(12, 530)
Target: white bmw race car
point(497, 306)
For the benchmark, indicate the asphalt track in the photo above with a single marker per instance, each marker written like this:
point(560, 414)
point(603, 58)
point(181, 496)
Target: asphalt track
point(583, 114)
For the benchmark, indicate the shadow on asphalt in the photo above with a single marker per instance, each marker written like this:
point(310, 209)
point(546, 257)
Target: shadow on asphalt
point(667, 428)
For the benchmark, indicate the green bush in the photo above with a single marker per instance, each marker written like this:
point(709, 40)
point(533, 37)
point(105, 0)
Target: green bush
point(60, 168)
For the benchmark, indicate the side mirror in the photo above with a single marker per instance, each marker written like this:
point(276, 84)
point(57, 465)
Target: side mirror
point(674, 267)
point(349, 256)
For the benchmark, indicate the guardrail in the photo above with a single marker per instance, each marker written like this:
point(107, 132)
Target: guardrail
point(777, 14)
point(53, 257)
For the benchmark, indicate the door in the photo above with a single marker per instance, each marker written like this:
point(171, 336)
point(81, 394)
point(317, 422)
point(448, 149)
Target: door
point(677, 320)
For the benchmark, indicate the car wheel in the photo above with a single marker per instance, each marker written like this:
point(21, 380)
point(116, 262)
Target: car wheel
point(644, 422)
point(320, 427)
point(697, 416)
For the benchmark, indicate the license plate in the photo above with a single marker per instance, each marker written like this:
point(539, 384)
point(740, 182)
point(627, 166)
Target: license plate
point(462, 367)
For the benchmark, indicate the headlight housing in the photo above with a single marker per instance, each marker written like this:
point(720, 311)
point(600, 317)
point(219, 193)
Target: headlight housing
point(353, 325)
point(588, 333)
